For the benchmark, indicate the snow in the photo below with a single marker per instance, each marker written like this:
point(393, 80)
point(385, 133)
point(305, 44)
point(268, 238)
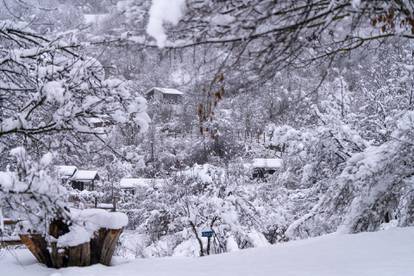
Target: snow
point(66, 171)
point(129, 183)
point(267, 163)
point(86, 222)
point(205, 173)
point(6, 180)
point(187, 248)
point(105, 206)
point(54, 91)
point(384, 253)
point(9, 238)
point(356, 4)
point(46, 159)
point(95, 18)
point(77, 235)
point(170, 91)
point(222, 19)
point(93, 219)
point(164, 11)
point(10, 124)
point(231, 245)
point(84, 175)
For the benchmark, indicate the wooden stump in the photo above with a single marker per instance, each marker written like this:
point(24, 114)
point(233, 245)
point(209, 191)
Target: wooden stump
point(99, 250)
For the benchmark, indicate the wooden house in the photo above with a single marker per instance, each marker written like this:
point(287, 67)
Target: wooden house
point(265, 166)
point(84, 180)
point(164, 95)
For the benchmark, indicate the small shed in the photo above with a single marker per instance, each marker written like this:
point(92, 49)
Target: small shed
point(133, 185)
point(65, 172)
point(165, 95)
point(84, 180)
point(264, 166)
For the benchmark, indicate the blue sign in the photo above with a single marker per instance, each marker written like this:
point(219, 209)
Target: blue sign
point(207, 233)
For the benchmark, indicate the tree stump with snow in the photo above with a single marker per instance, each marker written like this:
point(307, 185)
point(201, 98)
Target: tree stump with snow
point(66, 245)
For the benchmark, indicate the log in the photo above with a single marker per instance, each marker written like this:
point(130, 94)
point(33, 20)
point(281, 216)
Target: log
point(79, 255)
point(37, 245)
point(109, 244)
point(58, 256)
point(85, 254)
point(96, 245)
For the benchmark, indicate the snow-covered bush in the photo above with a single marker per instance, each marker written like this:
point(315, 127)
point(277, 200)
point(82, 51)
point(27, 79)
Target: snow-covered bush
point(172, 216)
point(375, 187)
point(32, 194)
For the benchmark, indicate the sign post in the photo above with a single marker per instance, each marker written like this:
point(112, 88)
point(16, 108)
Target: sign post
point(208, 233)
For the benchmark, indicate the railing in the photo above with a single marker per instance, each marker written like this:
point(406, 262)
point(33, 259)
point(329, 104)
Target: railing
point(6, 240)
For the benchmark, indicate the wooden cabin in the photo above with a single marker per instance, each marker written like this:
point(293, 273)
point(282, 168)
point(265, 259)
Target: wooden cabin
point(84, 180)
point(265, 166)
point(164, 95)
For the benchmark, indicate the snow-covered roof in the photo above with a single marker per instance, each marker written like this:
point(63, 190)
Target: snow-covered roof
point(66, 171)
point(170, 91)
point(84, 175)
point(270, 163)
point(105, 206)
point(131, 183)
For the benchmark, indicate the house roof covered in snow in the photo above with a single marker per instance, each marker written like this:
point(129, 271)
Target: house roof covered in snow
point(85, 175)
point(169, 91)
point(268, 163)
point(132, 183)
point(65, 171)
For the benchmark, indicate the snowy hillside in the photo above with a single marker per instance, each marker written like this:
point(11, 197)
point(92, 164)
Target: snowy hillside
point(384, 253)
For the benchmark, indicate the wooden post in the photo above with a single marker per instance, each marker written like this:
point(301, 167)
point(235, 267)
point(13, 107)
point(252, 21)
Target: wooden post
point(208, 245)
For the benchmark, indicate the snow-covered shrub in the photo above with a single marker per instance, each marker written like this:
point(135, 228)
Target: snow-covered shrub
point(172, 216)
point(374, 187)
point(32, 193)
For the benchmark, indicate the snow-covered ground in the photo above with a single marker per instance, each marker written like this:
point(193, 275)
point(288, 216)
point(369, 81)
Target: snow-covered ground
point(389, 252)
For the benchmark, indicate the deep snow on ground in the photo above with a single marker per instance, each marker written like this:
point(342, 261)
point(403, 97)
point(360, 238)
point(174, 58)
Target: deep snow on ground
point(389, 252)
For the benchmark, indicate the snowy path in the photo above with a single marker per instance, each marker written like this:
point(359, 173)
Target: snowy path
point(383, 253)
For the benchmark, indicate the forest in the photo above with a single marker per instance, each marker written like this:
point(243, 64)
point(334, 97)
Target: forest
point(189, 128)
